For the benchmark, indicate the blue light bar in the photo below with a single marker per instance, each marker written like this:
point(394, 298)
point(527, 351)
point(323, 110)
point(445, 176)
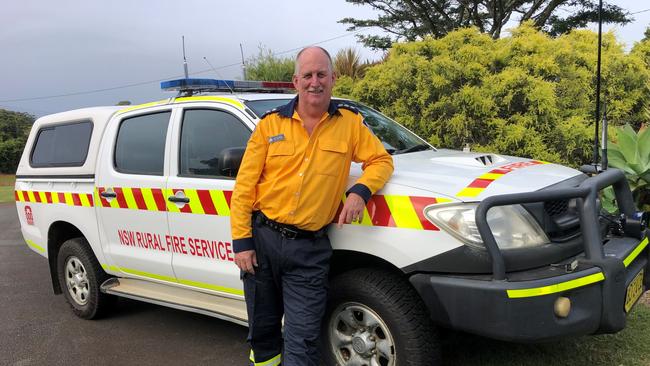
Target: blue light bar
point(192, 85)
point(196, 84)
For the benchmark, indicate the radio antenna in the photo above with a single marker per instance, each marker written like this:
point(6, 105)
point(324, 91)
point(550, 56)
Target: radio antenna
point(184, 60)
point(218, 74)
point(600, 37)
point(243, 64)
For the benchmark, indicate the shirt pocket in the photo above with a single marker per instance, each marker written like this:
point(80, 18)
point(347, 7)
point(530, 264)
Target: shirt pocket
point(280, 153)
point(332, 157)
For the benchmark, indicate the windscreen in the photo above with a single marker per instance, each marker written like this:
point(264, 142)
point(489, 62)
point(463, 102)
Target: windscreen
point(395, 138)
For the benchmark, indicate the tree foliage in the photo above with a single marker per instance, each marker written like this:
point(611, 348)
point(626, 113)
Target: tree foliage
point(268, 67)
point(411, 20)
point(14, 128)
point(527, 95)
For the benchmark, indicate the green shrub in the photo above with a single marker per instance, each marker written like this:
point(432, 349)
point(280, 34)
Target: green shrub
point(528, 94)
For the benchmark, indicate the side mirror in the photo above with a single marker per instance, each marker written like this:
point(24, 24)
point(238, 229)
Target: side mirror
point(230, 160)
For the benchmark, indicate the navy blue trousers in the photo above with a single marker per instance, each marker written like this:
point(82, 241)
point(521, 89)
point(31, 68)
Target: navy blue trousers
point(291, 279)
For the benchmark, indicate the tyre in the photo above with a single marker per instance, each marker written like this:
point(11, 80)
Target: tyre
point(375, 318)
point(80, 276)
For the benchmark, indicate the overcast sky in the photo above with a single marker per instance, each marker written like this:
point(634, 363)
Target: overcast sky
point(73, 47)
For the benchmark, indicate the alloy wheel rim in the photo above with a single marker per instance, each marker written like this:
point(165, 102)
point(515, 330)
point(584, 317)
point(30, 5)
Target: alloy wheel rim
point(76, 280)
point(358, 336)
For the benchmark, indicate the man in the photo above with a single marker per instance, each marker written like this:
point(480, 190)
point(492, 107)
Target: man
point(288, 189)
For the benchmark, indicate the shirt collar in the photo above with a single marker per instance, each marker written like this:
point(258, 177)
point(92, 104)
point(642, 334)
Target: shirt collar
point(288, 109)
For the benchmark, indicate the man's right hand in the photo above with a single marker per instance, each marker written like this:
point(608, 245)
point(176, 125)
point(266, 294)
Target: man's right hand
point(246, 261)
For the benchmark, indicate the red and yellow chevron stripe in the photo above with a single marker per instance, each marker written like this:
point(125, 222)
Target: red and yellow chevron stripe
point(382, 210)
point(405, 212)
point(65, 198)
point(479, 184)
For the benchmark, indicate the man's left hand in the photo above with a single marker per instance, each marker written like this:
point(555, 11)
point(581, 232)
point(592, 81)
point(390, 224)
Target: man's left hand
point(352, 210)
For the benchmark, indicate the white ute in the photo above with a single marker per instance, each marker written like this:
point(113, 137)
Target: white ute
point(134, 202)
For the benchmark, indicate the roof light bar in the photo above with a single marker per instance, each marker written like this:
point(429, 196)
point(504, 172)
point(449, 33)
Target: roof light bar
point(207, 85)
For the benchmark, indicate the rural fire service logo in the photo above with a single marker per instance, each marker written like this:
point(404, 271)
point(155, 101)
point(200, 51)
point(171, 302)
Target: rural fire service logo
point(29, 216)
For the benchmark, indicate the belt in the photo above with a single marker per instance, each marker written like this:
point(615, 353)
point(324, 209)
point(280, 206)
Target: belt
point(288, 231)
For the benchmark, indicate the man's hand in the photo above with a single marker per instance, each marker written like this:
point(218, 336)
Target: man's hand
point(352, 210)
point(246, 261)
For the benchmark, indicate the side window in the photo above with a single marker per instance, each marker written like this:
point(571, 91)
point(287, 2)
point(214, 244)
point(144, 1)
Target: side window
point(205, 133)
point(140, 146)
point(62, 145)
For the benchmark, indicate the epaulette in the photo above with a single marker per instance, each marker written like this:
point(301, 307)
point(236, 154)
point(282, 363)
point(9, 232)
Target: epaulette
point(348, 107)
point(274, 110)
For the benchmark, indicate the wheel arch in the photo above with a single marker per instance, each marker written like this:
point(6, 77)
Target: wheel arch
point(58, 233)
point(345, 260)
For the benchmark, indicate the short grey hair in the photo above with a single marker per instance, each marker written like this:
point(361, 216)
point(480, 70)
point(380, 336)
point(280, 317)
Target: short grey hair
point(329, 58)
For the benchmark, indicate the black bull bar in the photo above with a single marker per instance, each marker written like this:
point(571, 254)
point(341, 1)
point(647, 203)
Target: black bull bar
point(586, 194)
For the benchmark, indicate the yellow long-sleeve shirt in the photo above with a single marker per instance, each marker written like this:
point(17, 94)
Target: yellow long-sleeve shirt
point(298, 179)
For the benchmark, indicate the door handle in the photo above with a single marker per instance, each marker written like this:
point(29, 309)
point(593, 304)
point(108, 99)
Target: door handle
point(108, 194)
point(177, 199)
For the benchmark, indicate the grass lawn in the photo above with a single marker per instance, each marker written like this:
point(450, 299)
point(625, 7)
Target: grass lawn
point(7, 187)
point(628, 347)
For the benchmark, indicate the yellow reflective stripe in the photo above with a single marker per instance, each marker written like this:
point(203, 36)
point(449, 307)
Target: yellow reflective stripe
point(491, 176)
point(442, 200)
point(55, 197)
point(195, 202)
point(234, 102)
point(220, 203)
point(470, 192)
point(145, 105)
point(635, 253)
point(403, 212)
point(68, 199)
point(198, 284)
point(30, 195)
point(209, 286)
point(558, 287)
point(271, 362)
point(147, 195)
point(171, 206)
point(35, 246)
point(147, 274)
point(20, 196)
point(84, 200)
point(129, 199)
point(42, 196)
point(106, 267)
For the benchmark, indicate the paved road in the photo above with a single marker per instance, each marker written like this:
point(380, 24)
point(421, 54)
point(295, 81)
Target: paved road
point(38, 328)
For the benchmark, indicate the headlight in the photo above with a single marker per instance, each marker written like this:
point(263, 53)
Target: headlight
point(512, 226)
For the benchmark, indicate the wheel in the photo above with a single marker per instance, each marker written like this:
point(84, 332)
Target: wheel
point(375, 318)
point(80, 276)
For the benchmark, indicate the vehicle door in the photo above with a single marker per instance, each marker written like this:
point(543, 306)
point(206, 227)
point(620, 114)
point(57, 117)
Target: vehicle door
point(131, 180)
point(200, 221)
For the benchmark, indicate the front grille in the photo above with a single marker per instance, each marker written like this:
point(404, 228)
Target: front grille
point(556, 208)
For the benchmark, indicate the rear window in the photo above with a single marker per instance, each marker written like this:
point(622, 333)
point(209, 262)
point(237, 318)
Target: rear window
point(140, 146)
point(62, 145)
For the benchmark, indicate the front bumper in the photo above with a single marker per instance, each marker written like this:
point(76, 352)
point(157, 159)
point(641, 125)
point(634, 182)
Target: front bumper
point(522, 309)
point(519, 306)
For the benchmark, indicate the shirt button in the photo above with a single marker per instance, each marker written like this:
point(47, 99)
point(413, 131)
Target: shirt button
point(297, 193)
point(300, 174)
point(306, 159)
point(292, 212)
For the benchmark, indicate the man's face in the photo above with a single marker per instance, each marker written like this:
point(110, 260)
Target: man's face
point(314, 80)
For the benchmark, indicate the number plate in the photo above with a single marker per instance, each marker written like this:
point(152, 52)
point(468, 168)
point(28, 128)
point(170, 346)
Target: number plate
point(634, 291)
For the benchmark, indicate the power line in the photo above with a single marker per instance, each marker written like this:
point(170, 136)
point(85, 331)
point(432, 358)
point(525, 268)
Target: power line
point(92, 91)
point(640, 11)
